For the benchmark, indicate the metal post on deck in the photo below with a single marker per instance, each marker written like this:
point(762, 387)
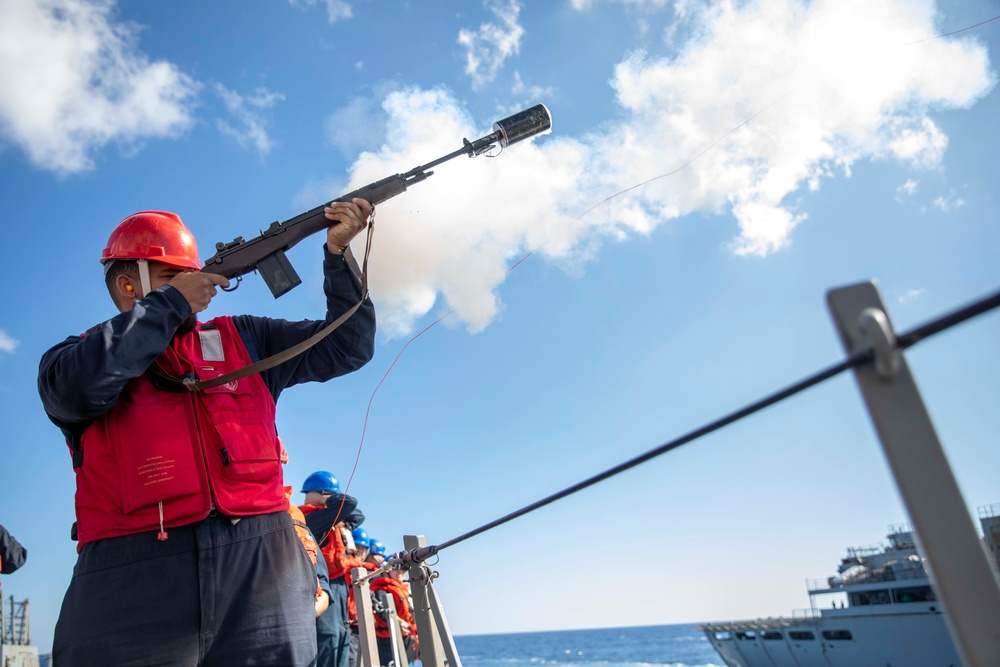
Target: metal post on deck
point(960, 570)
point(367, 648)
point(444, 631)
point(431, 651)
point(399, 658)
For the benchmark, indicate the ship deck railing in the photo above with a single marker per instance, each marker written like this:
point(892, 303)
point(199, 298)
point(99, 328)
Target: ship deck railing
point(866, 551)
point(989, 511)
point(799, 617)
point(824, 586)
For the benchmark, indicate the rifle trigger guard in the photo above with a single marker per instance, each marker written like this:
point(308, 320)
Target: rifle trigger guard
point(239, 279)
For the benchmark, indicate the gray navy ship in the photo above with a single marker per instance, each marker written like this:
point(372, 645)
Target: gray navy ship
point(888, 614)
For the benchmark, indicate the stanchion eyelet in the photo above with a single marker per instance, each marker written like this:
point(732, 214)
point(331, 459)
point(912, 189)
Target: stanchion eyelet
point(877, 331)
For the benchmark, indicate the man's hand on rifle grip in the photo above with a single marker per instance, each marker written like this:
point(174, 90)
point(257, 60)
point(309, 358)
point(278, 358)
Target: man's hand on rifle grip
point(198, 288)
point(350, 219)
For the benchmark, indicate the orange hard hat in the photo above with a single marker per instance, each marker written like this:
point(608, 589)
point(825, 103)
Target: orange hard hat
point(158, 236)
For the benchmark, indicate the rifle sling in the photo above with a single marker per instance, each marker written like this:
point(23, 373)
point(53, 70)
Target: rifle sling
point(274, 360)
point(295, 350)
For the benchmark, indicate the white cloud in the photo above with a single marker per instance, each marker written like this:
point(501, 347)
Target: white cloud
point(251, 114)
point(851, 102)
point(910, 295)
point(336, 10)
point(488, 48)
point(523, 95)
point(819, 101)
point(909, 188)
point(7, 344)
point(530, 93)
point(949, 203)
point(74, 81)
point(918, 141)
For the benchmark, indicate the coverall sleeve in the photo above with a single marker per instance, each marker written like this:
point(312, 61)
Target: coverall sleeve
point(347, 349)
point(321, 521)
point(12, 554)
point(81, 378)
point(350, 512)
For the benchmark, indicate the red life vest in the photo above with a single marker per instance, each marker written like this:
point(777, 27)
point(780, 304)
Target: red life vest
point(401, 595)
point(165, 458)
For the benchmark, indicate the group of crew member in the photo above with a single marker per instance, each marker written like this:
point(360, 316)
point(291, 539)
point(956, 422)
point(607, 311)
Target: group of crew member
point(334, 519)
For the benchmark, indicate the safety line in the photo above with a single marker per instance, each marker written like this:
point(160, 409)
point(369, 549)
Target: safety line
point(906, 340)
point(953, 32)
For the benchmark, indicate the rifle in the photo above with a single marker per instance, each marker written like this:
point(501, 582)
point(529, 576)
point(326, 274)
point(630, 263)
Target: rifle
point(266, 253)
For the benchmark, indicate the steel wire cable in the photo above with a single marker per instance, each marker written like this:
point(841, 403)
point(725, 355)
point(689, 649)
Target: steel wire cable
point(903, 341)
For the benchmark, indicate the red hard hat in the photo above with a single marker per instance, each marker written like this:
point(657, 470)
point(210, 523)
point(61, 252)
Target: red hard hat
point(158, 236)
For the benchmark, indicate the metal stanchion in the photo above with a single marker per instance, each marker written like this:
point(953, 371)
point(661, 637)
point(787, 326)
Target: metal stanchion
point(395, 634)
point(367, 648)
point(960, 569)
point(450, 651)
point(431, 650)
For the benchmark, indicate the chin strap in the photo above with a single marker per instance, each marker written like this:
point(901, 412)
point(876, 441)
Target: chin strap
point(147, 284)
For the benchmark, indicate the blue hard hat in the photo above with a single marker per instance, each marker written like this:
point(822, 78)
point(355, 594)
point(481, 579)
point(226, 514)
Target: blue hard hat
point(376, 546)
point(321, 480)
point(360, 537)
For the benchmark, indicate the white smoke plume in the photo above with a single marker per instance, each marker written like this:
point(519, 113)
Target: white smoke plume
point(823, 89)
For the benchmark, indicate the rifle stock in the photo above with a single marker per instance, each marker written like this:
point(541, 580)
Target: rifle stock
point(266, 253)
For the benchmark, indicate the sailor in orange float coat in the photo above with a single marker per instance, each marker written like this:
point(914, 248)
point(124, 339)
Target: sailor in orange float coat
point(309, 542)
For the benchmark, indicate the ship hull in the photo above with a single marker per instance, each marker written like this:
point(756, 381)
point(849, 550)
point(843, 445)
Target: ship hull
point(919, 639)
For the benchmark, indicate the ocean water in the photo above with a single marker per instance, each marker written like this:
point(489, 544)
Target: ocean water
point(674, 645)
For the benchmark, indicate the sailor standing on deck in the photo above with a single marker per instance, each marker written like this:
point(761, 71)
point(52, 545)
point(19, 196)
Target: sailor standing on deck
point(187, 553)
point(331, 516)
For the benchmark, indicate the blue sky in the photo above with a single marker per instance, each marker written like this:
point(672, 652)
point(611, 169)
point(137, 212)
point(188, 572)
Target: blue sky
point(871, 153)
